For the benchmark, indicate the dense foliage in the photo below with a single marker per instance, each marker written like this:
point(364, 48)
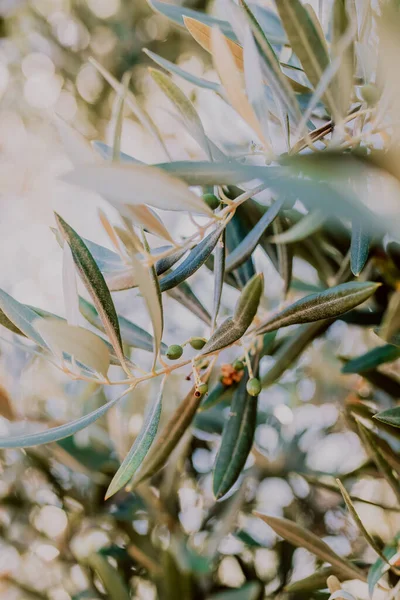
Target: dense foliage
point(310, 192)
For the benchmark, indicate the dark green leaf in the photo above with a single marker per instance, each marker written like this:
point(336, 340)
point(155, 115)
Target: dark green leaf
point(306, 226)
point(391, 416)
point(236, 442)
point(246, 247)
point(285, 256)
point(359, 248)
point(328, 304)
point(192, 262)
point(232, 329)
point(110, 578)
point(372, 359)
point(95, 285)
point(379, 568)
point(219, 393)
point(219, 275)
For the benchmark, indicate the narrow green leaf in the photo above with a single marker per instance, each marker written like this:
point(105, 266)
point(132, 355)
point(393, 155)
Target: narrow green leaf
point(359, 248)
point(118, 110)
point(328, 304)
point(391, 416)
point(351, 508)
point(246, 247)
point(57, 433)
point(390, 327)
point(5, 321)
point(236, 231)
point(176, 70)
point(343, 83)
point(169, 437)
point(303, 538)
point(236, 442)
point(132, 335)
point(306, 41)
point(315, 581)
point(232, 329)
point(379, 568)
point(176, 14)
point(219, 275)
point(186, 109)
point(372, 359)
point(140, 447)
point(274, 77)
point(378, 458)
point(95, 284)
point(285, 256)
point(21, 317)
point(183, 294)
point(305, 227)
point(110, 578)
point(196, 258)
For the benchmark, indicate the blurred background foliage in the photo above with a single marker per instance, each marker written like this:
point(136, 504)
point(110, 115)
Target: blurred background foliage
point(59, 540)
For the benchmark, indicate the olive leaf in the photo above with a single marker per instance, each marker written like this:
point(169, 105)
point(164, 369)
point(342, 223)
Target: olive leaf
point(219, 393)
point(140, 447)
point(183, 294)
point(186, 109)
point(391, 416)
point(303, 538)
point(19, 318)
point(233, 328)
point(70, 289)
point(372, 359)
point(306, 226)
point(306, 41)
point(246, 247)
point(285, 256)
point(131, 334)
point(137, 184)
point(359, 248)
point(81, 344)
point(237, 440)
point(58, 433)
point(380, 566)
point(112, 581)
point(106, 152)
point(219, 275)
point(149, 289)
point(95, 284)
point(196, 258)
point(326, 305)
point(344, 78)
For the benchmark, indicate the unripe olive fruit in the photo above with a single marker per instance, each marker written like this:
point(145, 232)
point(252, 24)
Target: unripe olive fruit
point(211, 200)
point(238, 365)
point(370, 93)
point(201, 389)
point(197, 343)
point(174, 352)
point(253, 386)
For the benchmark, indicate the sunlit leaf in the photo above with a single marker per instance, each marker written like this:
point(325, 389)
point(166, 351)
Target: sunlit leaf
point(152, 297)
point(131, 334)
point(186, 109)
point(231, 78)
point(95, 284)
point(328, 304)
point(306, 41)
point(236, 442)
point(136, 184)
point(142, 215)
point(344, 78)
point(176, 70)
point(304, 538)
point(81, 344)
point(56, 433)
point(379, 568)
point(196, 258)
point(21, 317)
point(140, 447)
